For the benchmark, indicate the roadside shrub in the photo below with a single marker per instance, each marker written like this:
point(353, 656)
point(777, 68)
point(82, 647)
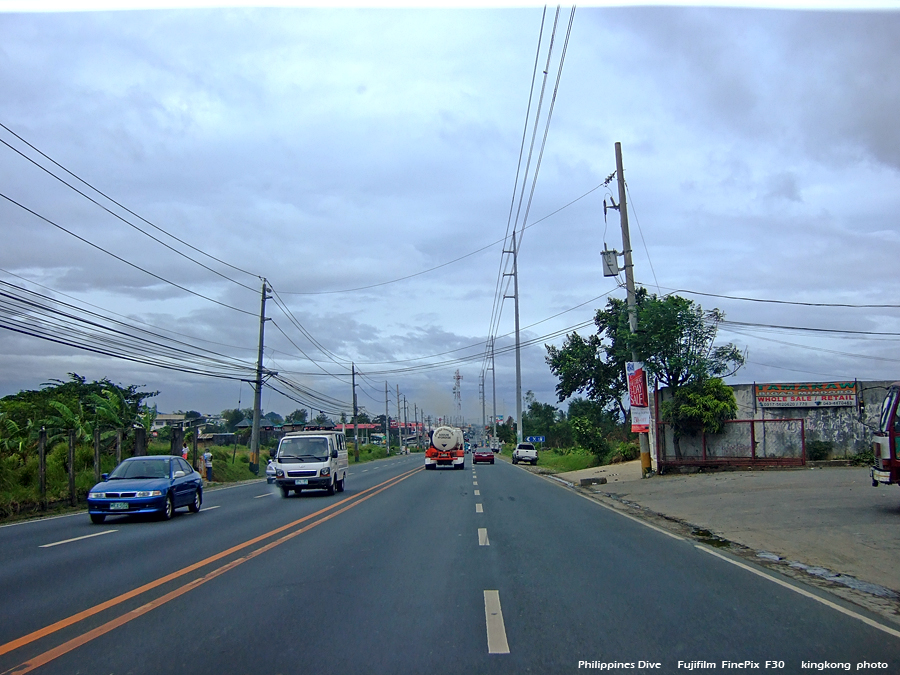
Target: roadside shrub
point(817, 451)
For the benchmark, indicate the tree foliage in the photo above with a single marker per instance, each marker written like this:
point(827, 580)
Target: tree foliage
point(700, 407)
point(675, 340)
point(73, 404)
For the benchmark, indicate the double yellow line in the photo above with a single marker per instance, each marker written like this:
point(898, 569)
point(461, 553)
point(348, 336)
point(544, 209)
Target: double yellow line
point(317, 518)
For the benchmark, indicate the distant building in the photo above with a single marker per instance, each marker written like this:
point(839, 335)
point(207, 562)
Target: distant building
point(165, 420)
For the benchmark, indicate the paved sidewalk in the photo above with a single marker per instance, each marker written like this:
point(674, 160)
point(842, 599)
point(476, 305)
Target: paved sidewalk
point(825, 517)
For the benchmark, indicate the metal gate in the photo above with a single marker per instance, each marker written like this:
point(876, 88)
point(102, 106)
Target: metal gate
point(772, 442)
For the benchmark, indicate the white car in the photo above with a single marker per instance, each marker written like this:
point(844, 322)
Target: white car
point(525, 452)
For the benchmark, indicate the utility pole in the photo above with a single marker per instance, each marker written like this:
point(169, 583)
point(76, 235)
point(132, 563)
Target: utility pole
point(257, 394)
point(355, 413)
point(629, 289)
point(387, 423)
point(493, 394)
point(515, 297)
point(416, 422)
point(399, 418)
point(483, 412)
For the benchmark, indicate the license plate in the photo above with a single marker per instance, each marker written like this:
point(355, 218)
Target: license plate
point(301, 481)
point(118, 506)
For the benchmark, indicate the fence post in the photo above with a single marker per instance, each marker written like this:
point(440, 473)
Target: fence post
point(73, 498)
point(97, 454)
point(42, 467)
point(118, 446)
point(140, 439)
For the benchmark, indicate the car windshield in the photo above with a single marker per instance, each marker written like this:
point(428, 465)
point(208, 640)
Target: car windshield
point(141, 468)
point(311, 449)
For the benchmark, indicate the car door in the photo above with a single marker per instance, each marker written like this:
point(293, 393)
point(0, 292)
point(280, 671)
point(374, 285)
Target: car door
point(182, 486)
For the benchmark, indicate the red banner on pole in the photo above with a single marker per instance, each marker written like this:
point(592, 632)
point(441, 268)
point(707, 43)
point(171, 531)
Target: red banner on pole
point(637, 384)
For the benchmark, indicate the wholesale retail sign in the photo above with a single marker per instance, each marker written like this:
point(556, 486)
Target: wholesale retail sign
point(806, 394)
point(637, 384)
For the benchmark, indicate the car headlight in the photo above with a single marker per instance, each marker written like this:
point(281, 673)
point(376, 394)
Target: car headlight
point(326, 471)
point(148, 493)
point(96, 495)
point(279, 473)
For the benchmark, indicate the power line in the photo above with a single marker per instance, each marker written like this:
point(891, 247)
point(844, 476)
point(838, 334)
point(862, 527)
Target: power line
point(782, 302)
point(121, 206)
point(123, 260)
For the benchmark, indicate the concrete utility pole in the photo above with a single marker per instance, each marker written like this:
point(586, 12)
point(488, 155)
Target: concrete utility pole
point(355, 413)
point(387, 423)
point(493, 394)
point(515, 297)
point(257, 393)
point(629, 289)
point(399, 418)
point(483, 410)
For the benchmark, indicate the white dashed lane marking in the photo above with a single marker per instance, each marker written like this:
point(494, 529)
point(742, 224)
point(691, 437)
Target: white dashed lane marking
point(493, 617)
point(68, 541)
point(477, 493)
point(479, 508)
point(482, 537)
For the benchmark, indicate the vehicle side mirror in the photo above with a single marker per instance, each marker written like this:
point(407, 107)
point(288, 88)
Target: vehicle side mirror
point(104, 476)
point(178, 474)
point(334, 454)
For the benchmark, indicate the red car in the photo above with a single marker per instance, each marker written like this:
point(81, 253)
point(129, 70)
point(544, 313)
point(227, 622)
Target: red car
point(483, 454)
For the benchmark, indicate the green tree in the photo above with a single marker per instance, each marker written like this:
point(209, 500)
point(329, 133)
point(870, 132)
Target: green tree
point(297, 417)
point(701, 406)
point(274, 417)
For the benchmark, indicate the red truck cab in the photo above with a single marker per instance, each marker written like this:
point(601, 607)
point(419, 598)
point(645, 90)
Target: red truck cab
point(886, 443)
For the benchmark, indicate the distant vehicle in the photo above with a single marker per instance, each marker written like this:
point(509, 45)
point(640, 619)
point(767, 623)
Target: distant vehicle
point(482, 455)
point(154, 484)
point(525, 452)
point(311, 460)
point(886, 468)
point(270, 472)
point(447, 449)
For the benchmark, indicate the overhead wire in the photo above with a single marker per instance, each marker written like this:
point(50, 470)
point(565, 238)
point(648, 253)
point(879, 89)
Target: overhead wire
point(123, 260)
point(121, 206)
point(127, 222)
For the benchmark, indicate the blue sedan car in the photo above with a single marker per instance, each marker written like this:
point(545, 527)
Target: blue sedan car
point(154, 484)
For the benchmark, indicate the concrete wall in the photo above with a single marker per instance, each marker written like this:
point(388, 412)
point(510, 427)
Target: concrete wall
point(847, 428)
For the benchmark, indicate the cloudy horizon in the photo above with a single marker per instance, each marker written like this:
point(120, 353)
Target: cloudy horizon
point(349, 155)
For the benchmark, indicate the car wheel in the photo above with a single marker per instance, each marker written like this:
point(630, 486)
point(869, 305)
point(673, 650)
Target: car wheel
point(169, 508)
point(330, 488)
point(340, 484)
point(285, 492)
point(515, 461)
point(198, 500)
point(97, 518)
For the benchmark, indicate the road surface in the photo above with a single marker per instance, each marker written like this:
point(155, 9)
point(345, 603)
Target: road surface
point(487, 570)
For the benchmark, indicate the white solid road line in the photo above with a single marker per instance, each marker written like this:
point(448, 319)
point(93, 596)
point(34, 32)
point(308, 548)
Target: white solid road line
point(477, 493)
point(268, 494)
point(493, 617)
point(482, 537)
point(87, 536)
point(479, 508)
point(812, 596)
point(210, 508)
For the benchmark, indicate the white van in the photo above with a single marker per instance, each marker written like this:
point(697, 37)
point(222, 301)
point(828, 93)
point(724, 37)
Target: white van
point(311, 460)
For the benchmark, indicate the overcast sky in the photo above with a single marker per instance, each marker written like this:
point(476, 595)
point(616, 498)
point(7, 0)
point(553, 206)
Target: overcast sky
point(331, 150)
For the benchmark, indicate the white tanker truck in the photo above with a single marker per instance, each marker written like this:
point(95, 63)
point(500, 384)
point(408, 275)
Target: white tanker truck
point(448, 448)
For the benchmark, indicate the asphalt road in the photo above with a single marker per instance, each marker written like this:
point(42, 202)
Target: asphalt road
point(491, 570)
